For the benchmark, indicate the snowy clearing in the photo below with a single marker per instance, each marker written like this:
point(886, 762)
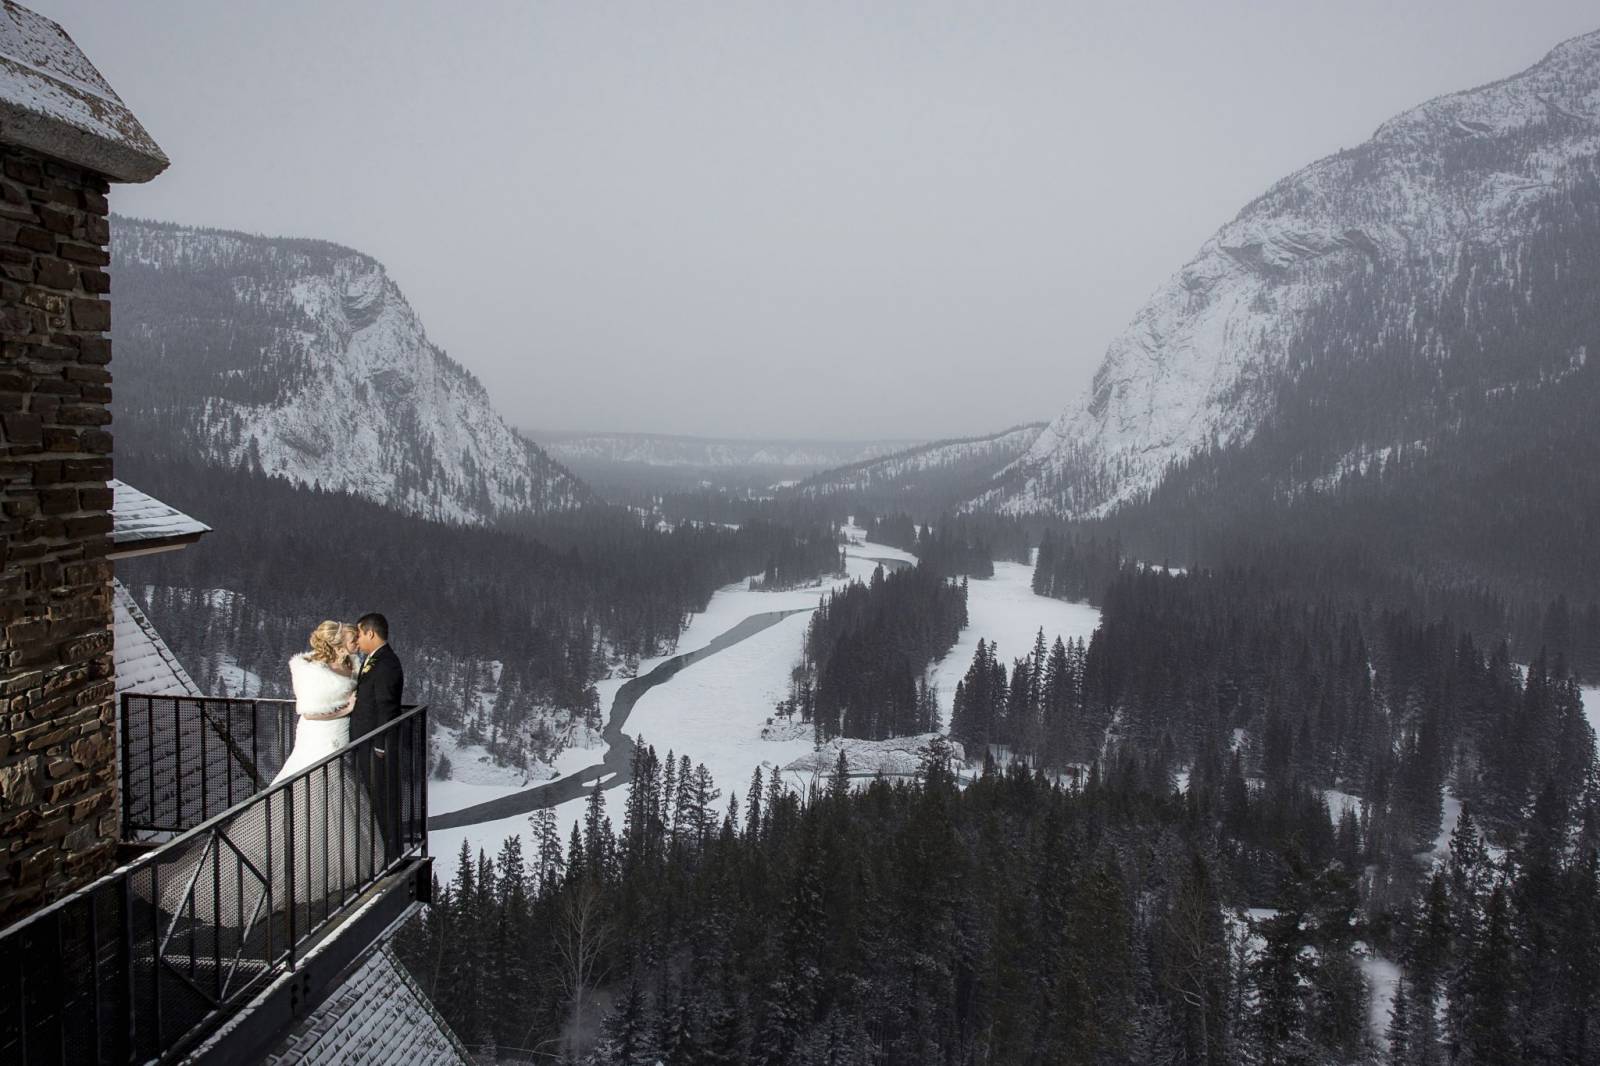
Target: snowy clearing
point(1382, 976)
point(1004, 610)
point(1339, 802)
point(1441, 843)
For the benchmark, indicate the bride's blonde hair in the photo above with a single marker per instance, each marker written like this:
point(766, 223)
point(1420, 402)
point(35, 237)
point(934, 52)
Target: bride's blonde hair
point(327, 643)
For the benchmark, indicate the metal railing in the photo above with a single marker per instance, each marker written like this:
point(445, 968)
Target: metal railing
point(185, 759)
point(144, 962)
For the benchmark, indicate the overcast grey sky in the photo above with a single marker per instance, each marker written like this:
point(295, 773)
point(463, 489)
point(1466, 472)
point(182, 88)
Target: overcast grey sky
point(810, 219)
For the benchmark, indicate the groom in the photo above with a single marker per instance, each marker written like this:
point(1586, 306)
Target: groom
point(378, 693)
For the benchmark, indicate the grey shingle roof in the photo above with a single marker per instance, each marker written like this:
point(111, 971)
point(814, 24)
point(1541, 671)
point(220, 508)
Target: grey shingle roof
point(144, 662)
point(142, 521)
point(378, 1016)
point(54, 101)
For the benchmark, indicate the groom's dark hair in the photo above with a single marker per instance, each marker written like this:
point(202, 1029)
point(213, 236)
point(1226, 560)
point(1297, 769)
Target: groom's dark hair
point(374, 623)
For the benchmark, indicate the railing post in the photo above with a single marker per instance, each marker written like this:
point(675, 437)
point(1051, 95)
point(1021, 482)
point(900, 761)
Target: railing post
point(94, 975)
point(288, 866)
point(150, 754)
point(127, 770)
point(205, 767)
point(156, 962)
point(130, 985)
point(422, 807)
point(271, 893)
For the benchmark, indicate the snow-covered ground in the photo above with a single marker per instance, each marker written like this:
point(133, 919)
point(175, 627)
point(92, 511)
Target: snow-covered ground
point(1004, 610)
point(1441, 843)
point(236, 680)
point(1338, 802)
point(1382, 976)
point(714, 711)
point(1591, 707)
point(895, 757)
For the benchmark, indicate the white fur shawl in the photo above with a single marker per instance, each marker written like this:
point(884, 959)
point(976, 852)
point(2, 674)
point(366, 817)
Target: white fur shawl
point(318, 688)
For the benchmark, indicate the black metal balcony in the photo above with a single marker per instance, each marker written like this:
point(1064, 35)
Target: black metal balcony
point(262, 894)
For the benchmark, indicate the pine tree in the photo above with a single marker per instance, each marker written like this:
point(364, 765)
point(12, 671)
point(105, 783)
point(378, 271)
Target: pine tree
point(1429, 962)
point(1491, 990)
point(839, 782)
point(752, 807)
point(1398, 1034)
point(628, 1035)
point(1278, 972)
point(598, 843)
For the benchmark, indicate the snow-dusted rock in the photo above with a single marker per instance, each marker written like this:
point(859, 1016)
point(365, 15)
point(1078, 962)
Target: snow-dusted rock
point(1196, 366)
point(303, 358)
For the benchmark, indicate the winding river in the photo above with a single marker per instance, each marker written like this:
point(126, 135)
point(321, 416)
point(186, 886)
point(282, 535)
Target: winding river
point(614, 769)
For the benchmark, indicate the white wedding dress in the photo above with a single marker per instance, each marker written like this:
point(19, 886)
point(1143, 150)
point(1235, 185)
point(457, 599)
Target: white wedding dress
point(318, 689)
point(313, 841)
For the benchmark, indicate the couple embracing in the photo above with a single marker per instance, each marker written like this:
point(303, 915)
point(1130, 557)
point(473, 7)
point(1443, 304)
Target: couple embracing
point(347, 813)
point(347, 684)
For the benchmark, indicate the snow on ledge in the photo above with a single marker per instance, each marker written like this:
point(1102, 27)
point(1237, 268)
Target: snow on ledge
point(54, 101)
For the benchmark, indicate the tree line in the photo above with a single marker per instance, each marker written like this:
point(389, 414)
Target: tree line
point(956, 545)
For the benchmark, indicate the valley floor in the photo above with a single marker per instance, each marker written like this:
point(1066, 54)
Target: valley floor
point(715, 711)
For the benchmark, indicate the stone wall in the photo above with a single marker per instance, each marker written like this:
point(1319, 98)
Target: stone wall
point(58, 804)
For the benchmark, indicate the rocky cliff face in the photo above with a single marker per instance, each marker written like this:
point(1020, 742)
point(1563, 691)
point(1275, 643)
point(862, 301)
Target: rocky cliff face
point(1398, 242)
point(303, 358)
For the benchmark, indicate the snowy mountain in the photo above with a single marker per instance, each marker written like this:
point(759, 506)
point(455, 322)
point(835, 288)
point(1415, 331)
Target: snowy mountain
point(303, 359)
point(649, 449)
point(928, 476)
point(1384, 272)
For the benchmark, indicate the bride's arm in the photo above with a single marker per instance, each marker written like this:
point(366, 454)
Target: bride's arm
point(342, 711)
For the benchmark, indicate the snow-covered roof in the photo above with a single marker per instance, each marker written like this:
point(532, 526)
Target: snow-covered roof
point(377, 1016)
point(143, 661)
point(54, 101)
point(141, 523)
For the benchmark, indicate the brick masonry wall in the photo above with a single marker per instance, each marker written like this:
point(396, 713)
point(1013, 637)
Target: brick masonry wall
point(59, 818)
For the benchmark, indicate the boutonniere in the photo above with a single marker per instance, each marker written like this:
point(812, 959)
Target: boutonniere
point(366, 665)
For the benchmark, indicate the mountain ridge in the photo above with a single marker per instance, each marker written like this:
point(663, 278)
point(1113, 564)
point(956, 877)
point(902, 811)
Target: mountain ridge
point(935, 476)
point(689, 450)
point(1205, 360)
point(302, 358)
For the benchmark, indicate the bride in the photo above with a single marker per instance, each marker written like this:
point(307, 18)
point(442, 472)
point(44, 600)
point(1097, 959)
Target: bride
point(317, 827)
point(324, 694)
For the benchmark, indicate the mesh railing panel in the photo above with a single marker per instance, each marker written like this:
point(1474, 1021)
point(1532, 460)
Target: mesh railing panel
point(186, 759)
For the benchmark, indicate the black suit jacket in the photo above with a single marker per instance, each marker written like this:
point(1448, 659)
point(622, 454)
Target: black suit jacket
point(378, 692)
